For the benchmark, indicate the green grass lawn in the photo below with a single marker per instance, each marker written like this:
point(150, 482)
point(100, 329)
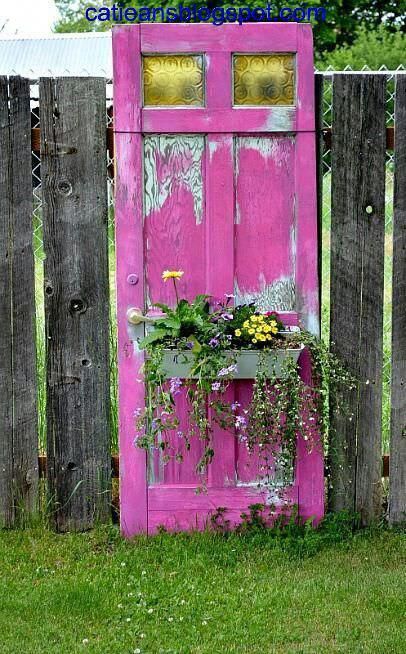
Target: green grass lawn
point(202, 593)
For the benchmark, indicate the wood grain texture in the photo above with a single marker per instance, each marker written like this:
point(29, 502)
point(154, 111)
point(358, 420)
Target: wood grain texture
point(19, 471)
point(25, 419)
point(6, 369)
point(357, 265)
point(73, 152)
point(397, 472)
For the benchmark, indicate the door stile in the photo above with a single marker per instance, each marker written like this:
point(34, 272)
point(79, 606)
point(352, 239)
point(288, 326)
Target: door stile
point(309, 474)
point(220, 277)
point(129, 272)
point(130, 269)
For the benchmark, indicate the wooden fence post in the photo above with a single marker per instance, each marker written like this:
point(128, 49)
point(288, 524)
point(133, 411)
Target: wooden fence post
point(73, 166)
point(357, 275)
point(397, 472)
point(18, 383)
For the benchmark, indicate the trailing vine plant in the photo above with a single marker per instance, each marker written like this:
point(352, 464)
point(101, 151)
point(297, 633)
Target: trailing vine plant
point(208, 339)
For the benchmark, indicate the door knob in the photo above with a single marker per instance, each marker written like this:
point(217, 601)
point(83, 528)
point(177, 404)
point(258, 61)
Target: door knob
point(136, 317)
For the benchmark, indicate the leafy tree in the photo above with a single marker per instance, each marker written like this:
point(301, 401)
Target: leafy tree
point(343, 17)
point(370, 49)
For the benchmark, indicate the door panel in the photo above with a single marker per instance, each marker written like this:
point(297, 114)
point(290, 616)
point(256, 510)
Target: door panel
point(226, 193)
point(265, 245)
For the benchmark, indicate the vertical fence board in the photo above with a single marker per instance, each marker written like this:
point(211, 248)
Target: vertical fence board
point(73, 161)
point(357, 267)
point(25, 417)
point(397, 472)
point(19, 471)
point(6, 371)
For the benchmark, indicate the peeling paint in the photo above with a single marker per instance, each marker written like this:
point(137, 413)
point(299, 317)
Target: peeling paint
point(213, 145)
point(293, 245)
point(280, 119)
point(171, 160)
point(280, 295)
point(276, 148)
point(237, 216)
point(312, 323)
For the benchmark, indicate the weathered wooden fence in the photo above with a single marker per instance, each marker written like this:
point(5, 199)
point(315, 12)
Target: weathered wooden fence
point(73, 141)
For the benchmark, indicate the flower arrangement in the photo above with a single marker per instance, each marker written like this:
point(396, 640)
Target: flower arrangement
point(211, 339)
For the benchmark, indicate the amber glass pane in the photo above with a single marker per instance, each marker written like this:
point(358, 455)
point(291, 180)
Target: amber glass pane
point(173, 80)
point(264, 79)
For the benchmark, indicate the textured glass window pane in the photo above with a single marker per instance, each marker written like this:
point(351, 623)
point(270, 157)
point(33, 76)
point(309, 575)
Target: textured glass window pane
point(173, 80)
point(264, 79)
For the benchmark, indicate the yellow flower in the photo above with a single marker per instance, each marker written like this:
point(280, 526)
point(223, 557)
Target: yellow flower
point(262, 337)
point(237, 332)
point(261, 318)
point(246, 323)
point(171, 274)
point(274, 330)
point(259, 328)
point(273, 323)
point(254, 318)
point(266, 329)
point(268, 337)
point(251, 331)
point(254, 340)
point(258, 334)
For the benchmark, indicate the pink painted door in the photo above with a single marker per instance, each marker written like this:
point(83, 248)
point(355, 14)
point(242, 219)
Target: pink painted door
point(215, 147)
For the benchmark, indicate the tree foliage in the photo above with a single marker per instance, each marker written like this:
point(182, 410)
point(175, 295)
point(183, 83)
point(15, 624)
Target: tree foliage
point(343, 17)
point(371, 49)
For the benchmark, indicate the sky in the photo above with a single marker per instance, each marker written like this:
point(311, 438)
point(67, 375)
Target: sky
point(27, 17)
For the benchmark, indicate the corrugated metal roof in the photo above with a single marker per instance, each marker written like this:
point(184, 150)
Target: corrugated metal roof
point(57, 55)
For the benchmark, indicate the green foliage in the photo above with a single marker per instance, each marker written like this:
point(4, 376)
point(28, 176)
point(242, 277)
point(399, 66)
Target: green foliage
point(282, 406)
point(381, 47)
point(343, 17)
point(188, 319)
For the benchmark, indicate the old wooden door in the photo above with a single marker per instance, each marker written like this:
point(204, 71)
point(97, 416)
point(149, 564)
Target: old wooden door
point(215, 148)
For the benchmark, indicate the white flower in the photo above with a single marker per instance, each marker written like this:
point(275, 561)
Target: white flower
point(137, 650)
point(150, 610)
point(85, 641)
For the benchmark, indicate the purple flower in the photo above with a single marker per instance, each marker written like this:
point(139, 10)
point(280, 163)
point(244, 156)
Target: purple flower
point(137, 412)
point(175, 385)
point(229, 337)
point(189, 345)
point(227, 371)
point(179, 434)
point(215, 386)
point(227, 316)
point(213, 342)
point(235, 406)
point(240, 422)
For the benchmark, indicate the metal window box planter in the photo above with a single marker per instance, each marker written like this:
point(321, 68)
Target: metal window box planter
point(177, 363)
